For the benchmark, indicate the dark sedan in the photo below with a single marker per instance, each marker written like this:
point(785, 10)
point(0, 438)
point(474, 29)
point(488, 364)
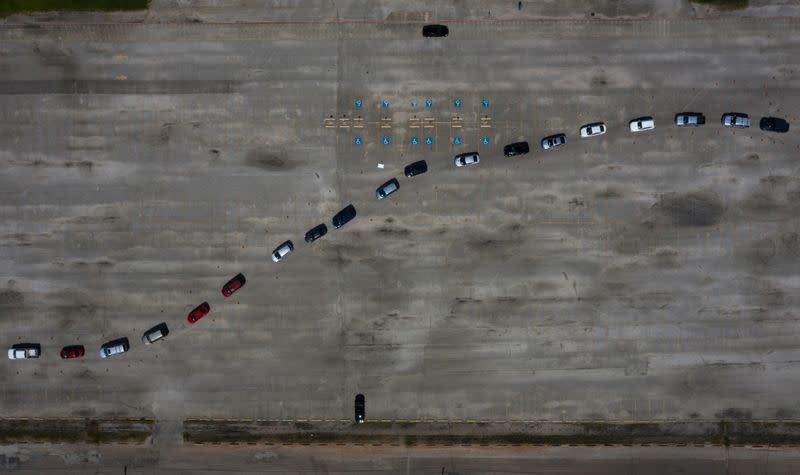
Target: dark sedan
point(416, 168)
point(344, 216)
point(517, 148)
point(773, 124)
point(360, 409)
point(316, 232)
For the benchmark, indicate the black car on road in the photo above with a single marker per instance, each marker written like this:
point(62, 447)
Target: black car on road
point(516, 148)
point(360, 409)
point(416, 168)
point(316, 232)
point(435, 31)
point(344, 216)
point(773, 124)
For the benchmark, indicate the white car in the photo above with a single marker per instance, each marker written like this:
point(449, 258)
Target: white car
point(642, 123)
point(590, 130)
point(281, 251)
point(464, 159)
point(24, 351)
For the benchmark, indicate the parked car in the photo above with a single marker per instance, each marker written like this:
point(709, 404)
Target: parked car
point(554, 141)
point(692, 119)
point(282, 251)
point(590, 130)
point(736, 119)
point(435, 31)
point(387, 189)
point(416, 168)
point(642, 123)
point(156, 333)
point(464, 159)
point(72, 351)
point(516, 148)
point(360, 409)
point(233, 285)
point(344, 216)
point(199, 312)
point(114, 347)
point(773, 124)
point(24, 351)
point(316, 232)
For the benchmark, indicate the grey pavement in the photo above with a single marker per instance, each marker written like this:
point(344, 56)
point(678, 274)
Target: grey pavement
point(624, 277)
point(211, 460)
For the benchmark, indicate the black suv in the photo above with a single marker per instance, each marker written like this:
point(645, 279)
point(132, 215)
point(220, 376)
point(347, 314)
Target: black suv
point(435, 31)
point(517, 148)
point(316, 232)
point(416, 168)
point(360, 409)
point(344, 216)
point(773, 124)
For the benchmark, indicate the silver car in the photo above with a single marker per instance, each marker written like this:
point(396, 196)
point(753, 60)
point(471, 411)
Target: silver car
point(281, 251)
point(736, 119)
point(387, 189)
point(464, 159)
point(554, 141)
point(156, 333)
point(24, 351)
point(114, 347)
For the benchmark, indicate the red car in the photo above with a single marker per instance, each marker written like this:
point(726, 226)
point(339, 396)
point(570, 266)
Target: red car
point(73, 351)
point(233, 285)
point(199, 312)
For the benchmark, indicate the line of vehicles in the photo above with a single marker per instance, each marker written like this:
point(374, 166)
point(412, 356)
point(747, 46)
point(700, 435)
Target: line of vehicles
point(348, 213)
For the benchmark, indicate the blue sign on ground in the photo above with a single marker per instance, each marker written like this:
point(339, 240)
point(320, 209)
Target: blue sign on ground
point(414, 140)
point(485, 103)
point(428, 140)
point(428, 103)
point(387, 140)
point(385, 104)
point(457, 103)
point(413, 104)
point(357, 140)
point(358, 103)
point(485, 141)
point(457, 141)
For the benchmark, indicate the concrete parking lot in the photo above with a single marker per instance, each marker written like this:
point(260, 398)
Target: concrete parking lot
point(625, 277)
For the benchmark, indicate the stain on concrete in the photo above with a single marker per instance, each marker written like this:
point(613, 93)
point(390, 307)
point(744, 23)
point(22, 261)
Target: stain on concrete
point(267, 160)
point(699, 208)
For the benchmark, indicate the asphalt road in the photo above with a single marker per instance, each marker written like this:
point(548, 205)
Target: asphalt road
point(625, 277)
